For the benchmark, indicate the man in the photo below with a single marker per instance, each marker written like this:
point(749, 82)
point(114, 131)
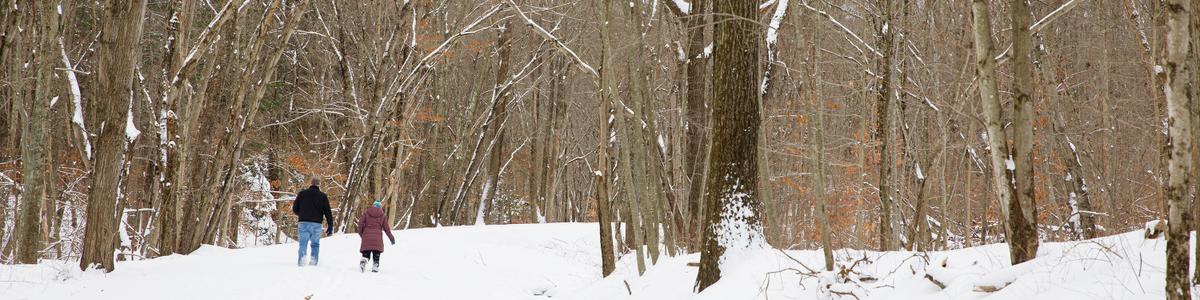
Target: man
point(312, 208)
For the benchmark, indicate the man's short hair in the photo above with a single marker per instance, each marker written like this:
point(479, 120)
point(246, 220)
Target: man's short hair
point(316, 181)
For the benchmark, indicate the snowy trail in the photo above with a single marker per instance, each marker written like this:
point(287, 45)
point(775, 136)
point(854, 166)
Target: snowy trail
point(485, 262)
point(561, 261)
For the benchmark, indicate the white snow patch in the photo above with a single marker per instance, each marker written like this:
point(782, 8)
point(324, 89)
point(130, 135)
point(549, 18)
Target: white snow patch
point(131, 131)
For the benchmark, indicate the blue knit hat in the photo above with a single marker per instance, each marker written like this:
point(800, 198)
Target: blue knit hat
point(378, 203)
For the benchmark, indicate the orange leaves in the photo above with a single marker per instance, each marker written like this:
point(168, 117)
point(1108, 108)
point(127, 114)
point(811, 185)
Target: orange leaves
point(427, 115)
point(851, 170)
point(830, 104)
point(298, 163)
point(801, 191)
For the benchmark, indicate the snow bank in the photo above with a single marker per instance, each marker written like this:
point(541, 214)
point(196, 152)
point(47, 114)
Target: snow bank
point(1125, 266)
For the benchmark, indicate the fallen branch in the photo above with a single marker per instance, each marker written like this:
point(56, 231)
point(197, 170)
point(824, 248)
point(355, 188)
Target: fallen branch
point(934, 274)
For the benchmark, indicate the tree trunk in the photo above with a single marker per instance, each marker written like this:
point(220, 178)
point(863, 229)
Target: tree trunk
point(189, 225)
point(1194, 65)
point(495, 158)
point(1180, 145)
point(34, 150)
point(118, 52)
point(631, 183)
point(603, 178)
point(819, 147)
point(731, 215)
point(1022, 215)
point(1002, 165)
point(696, 123)
point(12, 53)
point(887, 233)
point(168, 216)
point(243, 114)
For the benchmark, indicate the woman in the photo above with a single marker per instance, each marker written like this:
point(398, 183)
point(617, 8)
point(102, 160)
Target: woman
point(370, 228)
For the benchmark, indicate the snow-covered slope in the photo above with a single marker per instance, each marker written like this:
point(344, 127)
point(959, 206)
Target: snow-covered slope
point(561, 261)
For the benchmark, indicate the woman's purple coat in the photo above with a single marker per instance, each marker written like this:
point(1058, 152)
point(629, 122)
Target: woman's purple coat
point(370, 225)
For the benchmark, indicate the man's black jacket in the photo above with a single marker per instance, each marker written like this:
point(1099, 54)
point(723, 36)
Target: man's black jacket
point(311, 205)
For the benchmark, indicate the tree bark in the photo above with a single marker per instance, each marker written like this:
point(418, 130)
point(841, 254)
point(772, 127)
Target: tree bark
point(732, 203)
point(1180, 146)
point(118, 52)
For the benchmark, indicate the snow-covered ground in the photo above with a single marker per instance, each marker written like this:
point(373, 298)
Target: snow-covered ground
point(561, 261)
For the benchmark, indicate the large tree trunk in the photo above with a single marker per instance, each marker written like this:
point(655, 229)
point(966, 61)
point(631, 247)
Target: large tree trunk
point(732, 203)
point(120, 33)
point(34, 150)
point(1180, 146)
point(1022, 215)
point(887, 230)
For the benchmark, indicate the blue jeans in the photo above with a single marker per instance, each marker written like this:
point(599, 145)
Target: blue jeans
point(310, 232)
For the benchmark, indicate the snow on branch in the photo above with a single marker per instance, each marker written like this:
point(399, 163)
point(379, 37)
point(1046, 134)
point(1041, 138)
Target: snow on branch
point(1040, 24)
point(557, 42)
point(76, 99)
point(844, 28)
point(206, 39)
point(772, 42)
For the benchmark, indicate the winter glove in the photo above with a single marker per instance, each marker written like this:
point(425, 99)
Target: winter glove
point(393, 243)
point(329, 232)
